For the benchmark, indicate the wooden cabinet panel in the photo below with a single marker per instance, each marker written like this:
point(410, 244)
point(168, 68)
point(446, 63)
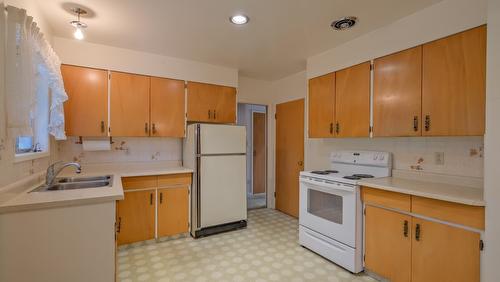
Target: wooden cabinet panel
point(211, 103)
point(397, 94)
point(86, 110)
point(388, 244)
point(352, 101)
point(451, 212)
point(174, 179)
point(139, 182)
point(173, 211)
point(387, 199)
point(129, 100)
point(454, 75)
point(167, 107)
point(321, 104)
point(136, 217)
point(444, 253)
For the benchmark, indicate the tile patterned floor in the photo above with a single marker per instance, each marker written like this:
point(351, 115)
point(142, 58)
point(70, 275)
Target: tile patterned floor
point(267, 250)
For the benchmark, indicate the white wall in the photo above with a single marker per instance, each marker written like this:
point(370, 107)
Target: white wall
point(492, 149)
point(107, 57)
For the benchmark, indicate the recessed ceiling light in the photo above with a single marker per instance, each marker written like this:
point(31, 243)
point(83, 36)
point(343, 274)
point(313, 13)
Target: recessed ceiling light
point(239, 19)
point(344, 23)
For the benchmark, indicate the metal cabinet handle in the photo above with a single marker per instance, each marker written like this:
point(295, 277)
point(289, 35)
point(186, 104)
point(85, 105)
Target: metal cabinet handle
point(300, 163)
point(209, 114)
point(337, 127)
point(153, 128)
point(415, 123)
point(405, 228)
point(151, 199)
point(102, 126)
point(427, 122)
point(215, 117)
point(331, 127)
point(161, 197)
point(146, 129)
point(119, 227)
point(417, 232)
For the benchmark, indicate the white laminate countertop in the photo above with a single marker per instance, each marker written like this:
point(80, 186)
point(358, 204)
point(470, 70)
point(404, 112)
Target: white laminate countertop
point(434, 190)
point(18, 197)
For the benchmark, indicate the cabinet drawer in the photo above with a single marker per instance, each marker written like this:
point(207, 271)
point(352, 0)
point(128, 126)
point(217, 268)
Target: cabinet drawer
point(387, 199)
point(471, 216)
point(139, 182)
point(174, 179)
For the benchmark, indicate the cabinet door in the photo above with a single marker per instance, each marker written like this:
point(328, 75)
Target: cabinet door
point(225, 108)
point(352, 101)
point(321, 106)
point(388, 244)
point(129, 104)
point(454, 84)
point(444, 253)
point(167, 107)
point(173, 211)
point(397, 94)
point(136, 217)
point(201, 101)
point(86, 110)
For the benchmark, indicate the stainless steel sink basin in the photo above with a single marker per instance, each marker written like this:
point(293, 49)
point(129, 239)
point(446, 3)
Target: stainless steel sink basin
point(71, 183)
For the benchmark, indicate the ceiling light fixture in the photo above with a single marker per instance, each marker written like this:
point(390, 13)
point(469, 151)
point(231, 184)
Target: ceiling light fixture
point(79, 25)
point(239, 19)
point(344, 23)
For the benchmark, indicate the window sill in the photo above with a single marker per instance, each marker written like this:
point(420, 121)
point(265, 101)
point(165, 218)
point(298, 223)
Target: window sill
point(30, 156)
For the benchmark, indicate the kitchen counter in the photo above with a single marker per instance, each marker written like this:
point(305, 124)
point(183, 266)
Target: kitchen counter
point(450, 192)
point(16, 197)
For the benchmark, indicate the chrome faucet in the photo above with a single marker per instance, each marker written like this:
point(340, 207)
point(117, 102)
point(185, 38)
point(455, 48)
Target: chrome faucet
point(54, 169)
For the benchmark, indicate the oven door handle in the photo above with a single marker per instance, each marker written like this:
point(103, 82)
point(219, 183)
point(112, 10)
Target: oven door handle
point(321, 185)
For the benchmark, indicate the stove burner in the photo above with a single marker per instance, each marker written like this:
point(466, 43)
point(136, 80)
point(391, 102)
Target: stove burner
point(363, 175)
point(332, 171)
point(352, 177)
point(320, 172)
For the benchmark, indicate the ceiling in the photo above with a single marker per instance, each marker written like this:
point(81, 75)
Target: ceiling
point(279, 38)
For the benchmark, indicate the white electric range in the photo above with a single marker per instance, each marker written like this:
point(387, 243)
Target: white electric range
point(330, 212)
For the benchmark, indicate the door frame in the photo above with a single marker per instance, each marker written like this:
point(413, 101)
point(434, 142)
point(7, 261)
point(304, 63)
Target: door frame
point(252, 114)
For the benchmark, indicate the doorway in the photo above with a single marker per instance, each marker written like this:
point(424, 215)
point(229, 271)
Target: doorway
point(254, 118)
point(289, 155)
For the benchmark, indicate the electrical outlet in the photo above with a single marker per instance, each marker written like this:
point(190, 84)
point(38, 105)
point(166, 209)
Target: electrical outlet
point(439, 158)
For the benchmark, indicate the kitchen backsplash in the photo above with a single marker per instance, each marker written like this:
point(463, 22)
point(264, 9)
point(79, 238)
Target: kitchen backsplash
point(124, 150)
point(459, 155)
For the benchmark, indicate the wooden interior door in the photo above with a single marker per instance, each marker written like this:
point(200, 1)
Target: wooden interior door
point(454, 84)
point(136, 217)
point(289, 155)
point(225, 108)
point(444, 253)
point(173, 204)
point(86, 110)
point(321, 104)
point(352, 101)
point(259, 153)
point(397, 94)
point(129, 100)
point(167, 107)
point(201, 101)
point(388, 244)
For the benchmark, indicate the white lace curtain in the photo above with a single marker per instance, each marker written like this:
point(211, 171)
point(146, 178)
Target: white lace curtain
point(29, 62)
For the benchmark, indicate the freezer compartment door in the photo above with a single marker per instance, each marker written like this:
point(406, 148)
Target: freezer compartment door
point(222, 189)
point(222, 139)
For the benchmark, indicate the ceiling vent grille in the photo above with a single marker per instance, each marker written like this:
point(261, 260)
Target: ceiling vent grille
point(344, 23)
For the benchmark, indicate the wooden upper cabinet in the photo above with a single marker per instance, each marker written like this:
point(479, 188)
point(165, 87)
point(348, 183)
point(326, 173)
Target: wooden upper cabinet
point(129, 99)
point(454, 77)
point(167, 107)
point(211, 103)
point(86, 110)
point(321, 104)
point(397, 94)
point(444, 253)
point(388, 244)
point(352, 101)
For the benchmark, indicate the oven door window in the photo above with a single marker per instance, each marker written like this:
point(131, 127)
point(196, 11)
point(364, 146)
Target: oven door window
point(324, 205)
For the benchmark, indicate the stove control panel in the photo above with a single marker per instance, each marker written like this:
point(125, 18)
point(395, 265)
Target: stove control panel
point(370, 158)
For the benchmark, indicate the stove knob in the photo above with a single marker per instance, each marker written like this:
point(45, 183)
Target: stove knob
point(381, 157)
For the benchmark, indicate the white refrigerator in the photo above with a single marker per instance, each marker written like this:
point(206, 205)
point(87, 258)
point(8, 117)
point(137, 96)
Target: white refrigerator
point(217, 155)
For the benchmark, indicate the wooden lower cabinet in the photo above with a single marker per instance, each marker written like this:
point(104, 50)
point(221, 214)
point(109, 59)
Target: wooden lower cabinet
point(444, 253)
point(173, 211)
point(136, 217)
point(388, 244)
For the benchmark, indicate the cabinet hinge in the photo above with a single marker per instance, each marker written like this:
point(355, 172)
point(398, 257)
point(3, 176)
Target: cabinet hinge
point(364, 211)
point(364, 257)
point(371, 66)
point(275, 116)
point(275, 194)
point(109, 76)
point(370, 129)
point(109, 129)
point(481, 245)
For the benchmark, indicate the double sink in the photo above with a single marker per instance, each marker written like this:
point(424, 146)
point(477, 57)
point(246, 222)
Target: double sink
point(71, 183)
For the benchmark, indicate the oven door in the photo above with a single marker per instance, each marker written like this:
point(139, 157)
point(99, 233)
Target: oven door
point(329, 208)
